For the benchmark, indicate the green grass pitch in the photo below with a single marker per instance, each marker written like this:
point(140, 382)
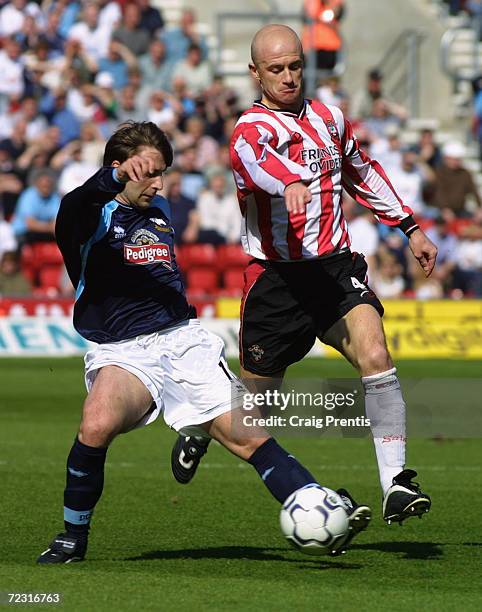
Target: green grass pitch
point(216, 544)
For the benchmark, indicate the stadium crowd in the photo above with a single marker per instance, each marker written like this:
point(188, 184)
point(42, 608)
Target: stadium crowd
point(72, 71)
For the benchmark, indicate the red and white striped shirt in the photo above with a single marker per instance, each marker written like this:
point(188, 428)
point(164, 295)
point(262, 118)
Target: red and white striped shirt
point(270, 149)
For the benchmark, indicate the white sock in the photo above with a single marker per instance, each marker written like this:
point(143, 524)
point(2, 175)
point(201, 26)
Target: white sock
point(385, 408)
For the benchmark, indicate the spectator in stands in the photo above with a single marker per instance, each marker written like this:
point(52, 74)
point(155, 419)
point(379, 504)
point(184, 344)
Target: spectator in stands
point(92, 143)
point(55, 108)
point(10, 184)
point(192, 179)
point(387, 150)
point(217, 104)
point(110, 13)
point(13, 14)
point(382, 119)
point(35, 121)
point(117, 62)
point(222, 165)
point(12, 281)
point(468, 260)
point(447, 245)
point(206, 147)
point(151, 18)
point(179, 39)
point(156, 70)
point(39, 152)
point(186, 101)
point(184, 216)
point(195, 71)
point(128, 108)
point(84, 105)
point(29, 35)
point(387, 281)
point(11, 83)
point(68, 11)
point(321, 32)
point(160, 111)
point(330, 91)
point(37, 207)
point(410, 178)
point(218, 211)
point(364, 99)
point(51, 35)
point(103, 92)
point(427, 149)
point(454, 183)
point(130, 33)
point(93, 36)
point(8, 241)
point(74, 170)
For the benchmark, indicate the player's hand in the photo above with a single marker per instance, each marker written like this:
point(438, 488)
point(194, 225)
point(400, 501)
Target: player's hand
point(423, 250)
point(136, 168)
point(297, 196)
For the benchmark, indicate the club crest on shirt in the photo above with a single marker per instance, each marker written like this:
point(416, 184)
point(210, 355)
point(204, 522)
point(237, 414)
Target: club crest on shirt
point(331, 127)
point(146, 249)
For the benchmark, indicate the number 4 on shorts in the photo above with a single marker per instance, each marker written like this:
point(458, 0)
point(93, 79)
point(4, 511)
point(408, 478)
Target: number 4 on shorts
point(356, 283)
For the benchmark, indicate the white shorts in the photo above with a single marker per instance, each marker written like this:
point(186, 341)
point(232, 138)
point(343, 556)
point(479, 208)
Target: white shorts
point(183, 368)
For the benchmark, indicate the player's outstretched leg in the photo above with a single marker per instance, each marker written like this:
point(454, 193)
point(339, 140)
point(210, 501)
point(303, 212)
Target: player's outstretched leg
point(281, 472)
point(404, 499)
point(186, 455)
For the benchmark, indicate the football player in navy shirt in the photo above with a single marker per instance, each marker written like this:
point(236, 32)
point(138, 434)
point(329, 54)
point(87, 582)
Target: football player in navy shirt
point(151, 353)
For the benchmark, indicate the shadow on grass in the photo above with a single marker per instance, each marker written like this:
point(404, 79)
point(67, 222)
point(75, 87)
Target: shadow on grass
point(243, 552)
point(410, 550)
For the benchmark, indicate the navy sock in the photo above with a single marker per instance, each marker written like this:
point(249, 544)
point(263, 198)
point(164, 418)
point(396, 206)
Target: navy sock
point(280, 472)
point(85, 481)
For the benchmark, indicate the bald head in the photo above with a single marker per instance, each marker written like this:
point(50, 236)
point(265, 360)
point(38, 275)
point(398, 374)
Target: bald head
point(274, 40)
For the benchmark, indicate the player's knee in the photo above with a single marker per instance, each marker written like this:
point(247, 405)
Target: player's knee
point(375, 359)
point(96, 431)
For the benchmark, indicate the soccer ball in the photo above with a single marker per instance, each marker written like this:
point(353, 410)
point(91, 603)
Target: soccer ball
point(313, 519)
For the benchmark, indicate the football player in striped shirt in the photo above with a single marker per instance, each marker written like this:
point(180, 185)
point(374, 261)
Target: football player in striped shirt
point(291, 158)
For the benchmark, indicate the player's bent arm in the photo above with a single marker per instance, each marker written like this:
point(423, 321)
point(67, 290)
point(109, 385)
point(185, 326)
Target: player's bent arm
point(258, 166)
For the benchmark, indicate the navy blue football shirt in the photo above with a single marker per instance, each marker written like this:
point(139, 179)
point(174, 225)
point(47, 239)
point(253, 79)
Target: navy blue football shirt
point(121, 261)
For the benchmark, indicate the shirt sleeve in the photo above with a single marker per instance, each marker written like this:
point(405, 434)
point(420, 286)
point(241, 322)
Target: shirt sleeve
point(365, 180)
point(258, 166)
point(80, 209)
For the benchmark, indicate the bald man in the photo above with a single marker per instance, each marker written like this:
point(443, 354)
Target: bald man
point(291, 157)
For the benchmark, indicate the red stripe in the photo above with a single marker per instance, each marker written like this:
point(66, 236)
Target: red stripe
point(327, 216)
point(251, 275)
point(263, 204)
point(296, 222)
